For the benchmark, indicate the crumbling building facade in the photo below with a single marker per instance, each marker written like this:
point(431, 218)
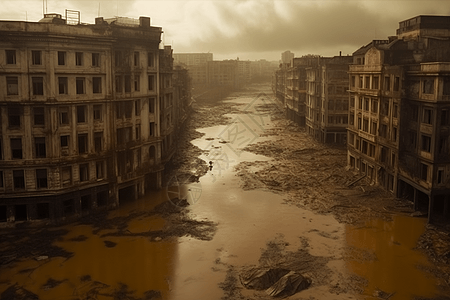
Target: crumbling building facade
point(86, 115)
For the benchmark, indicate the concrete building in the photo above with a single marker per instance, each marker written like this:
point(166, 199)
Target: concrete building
point(398, 134)
point(86, 110)
point(192, 59)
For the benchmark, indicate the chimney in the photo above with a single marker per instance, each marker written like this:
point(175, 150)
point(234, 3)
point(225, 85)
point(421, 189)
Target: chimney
point(99, 21)
point(340, 53)
point(144, 21)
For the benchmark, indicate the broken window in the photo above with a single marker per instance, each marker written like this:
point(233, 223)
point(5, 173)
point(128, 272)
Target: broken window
point(62, 85)
point(61, 58)
point(79, 58)
point(16, 148)
point(82, 143)
point(96, 85)
point(12, 85)
point(81, 114)
point(39, 116)
point(428, 86)
point(98, 112)
point(424, 172)
point(427, 116)
point(63, 115)
point(152, 129)
point(39, 147)
point(84, 172)
point(41, 178)
point(151, 82)
point(19, 179)
point(66, 176)
point(14, 116)
point(151, 105)
point(80, 85)
point(10, 57)
point(36, 57)
point(98, 141)
point(127, 83)
point(96, 59)
point(426, 143)
point(38, 85)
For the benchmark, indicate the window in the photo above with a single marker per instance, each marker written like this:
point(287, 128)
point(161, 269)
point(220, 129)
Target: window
point(426, 143)
point(366, 104)
point(360, 103)
point(137, 107)
point(330, 105)
point(394, 134)
point(150, 59)
point(424, 172)
point(82, 143)
point(352, 102)
point(39, 116)
point(63, 115)
point(364, 147)
point(366, 125)
point(97, 85)
point(383, 130)
point(444, 117)
point(136, 59)
point(86, 202)
point(152, 128)
point(151, 82)
point(61, 58)
point(371, 150)
point(81, 114)
point(387, 83)
point(124, 109)
point(79, 58)
point(446, 90)
point(359, 123)
point(137, 83)
point(361, 80)
point(16, 148)
point(367, 82)
point(38, 85)
point(98, 112)
point(428, 86)
point(440, 176)
point(443, 145)
point(41, 178)
point(383, 155)
point(127, 83)
point(62, 86)
point(119, 84)
point(96, 59)
point(42, 211)
point(395, 112)
point(374, 128)
point(375, 82)
point(124, 135)
point(1, 180)
point(427, 116)
point(98, 141)
point(14, 116)
point(84, 172)
point(66, 176)
point(415, 113)
point(39, 147)
point(353, 81)
point(12, 85)
point(36, 57)
point(396, 83)
point(385, 107)
point(99, 169)
point(118, 58)
point(10, 57)
point(65, 141)
point(138, 132)
point(80, 85)
point(151, 105)
point(19, 179)
point(412, 138)
point(374, 106)
point(69, 207)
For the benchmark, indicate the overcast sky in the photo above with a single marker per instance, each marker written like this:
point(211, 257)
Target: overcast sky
point(249, 29)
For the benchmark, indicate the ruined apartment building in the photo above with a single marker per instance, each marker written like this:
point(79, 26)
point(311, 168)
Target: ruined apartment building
point(399, 121)
point(86, 112)
point(327, 99)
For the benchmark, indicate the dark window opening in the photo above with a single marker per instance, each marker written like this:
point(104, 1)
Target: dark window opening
point(86, 202)
point(427, 116)
point(98, 112)
point(124, 135)
point(136, 59)
point(38, 85)
point(151, 105)
point(3, 213)
point(21, 213)
point(137, 84)
point(14, 116)
point(387, 83)
point(81, 114)
point(63, 115)
point(98, 138)
point(96, 59)
point(151, 82)
point(62, 85)
point(66, 176)
point(79, 58)
point(41, 178)
point(64, 141)
point(10, 57)
point(396, 83)
point(426, 143)
point(119, 84)
point(61, 58)
point(152, 129)
point(127, 83)
point(424, 172)
point(39, 116)
point(39, 147)
point(16, 148)
point(1, 180)
point(82, 143)
point(102, 198)
point(137, 107)
point(151, 59)
point(43, 211)
point(69, 207)
point(428, 86)
point(97, 85)
point(80, 85)
point(124, 109)
point(99, 172)
point(19, 179)
point(36, 57)
point(84, 172)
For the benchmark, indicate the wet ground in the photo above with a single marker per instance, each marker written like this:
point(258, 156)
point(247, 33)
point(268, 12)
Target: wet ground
point(250, 190)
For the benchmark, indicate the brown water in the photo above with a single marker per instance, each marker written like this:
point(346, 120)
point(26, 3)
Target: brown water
point(186, 268)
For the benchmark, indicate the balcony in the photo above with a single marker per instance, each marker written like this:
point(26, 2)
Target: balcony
point(365, 68)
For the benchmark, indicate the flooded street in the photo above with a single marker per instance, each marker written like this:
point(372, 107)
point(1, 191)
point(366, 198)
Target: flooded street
point(240, 215)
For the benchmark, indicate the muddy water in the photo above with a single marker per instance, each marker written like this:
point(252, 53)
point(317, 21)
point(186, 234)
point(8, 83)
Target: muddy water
point(381, 253)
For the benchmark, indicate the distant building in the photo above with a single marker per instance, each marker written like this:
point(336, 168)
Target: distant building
point(88, 115)
point(399, 120)
point(287, 57)
point(192, 59)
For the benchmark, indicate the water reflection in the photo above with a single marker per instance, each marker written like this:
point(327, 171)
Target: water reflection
point(383, 253)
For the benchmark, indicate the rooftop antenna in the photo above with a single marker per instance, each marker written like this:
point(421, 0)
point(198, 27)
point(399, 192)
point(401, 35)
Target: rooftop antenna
point(98, 9)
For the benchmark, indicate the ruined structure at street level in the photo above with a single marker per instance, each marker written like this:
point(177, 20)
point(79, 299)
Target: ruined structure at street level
point(314, 92)
point(90, 115)
point(399, 120)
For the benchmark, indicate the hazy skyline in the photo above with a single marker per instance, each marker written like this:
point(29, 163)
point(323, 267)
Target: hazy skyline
point(249, 29)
